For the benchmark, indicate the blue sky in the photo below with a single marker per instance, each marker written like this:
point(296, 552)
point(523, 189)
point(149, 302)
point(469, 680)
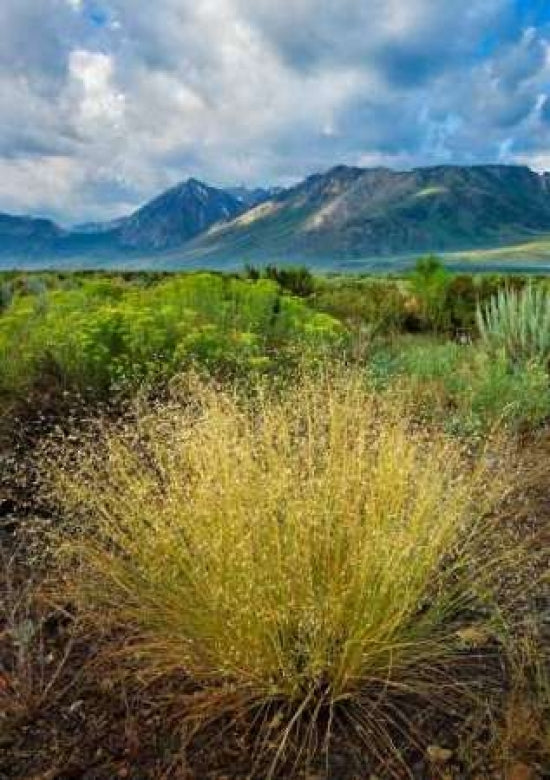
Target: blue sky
point(106, 102)
point(533, 11)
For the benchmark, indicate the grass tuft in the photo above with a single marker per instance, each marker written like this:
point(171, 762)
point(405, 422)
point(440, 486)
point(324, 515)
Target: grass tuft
point(307, 558)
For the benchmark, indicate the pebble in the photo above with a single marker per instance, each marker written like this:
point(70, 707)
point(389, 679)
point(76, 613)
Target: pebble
point(439, 755)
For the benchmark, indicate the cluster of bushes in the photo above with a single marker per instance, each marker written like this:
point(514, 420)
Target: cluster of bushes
point(99, 332)
point(481, 345)
point(430, 299)
point(95, 333)
point(378, 304)
point(502, 377)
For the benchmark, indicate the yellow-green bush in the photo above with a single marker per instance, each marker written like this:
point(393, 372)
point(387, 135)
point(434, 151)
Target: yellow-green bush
point(104, 333)
point(380, 303)
point(309, 556)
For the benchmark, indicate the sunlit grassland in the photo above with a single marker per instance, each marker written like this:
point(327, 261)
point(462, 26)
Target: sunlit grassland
point(529, 251)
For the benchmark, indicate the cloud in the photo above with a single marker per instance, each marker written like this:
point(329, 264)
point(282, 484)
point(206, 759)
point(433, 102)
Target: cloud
point(98, 101)
point(105, 102)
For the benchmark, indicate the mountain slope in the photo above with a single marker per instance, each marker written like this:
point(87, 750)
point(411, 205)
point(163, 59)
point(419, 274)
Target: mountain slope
point(28, 232)
point(176, 216)
point(164, 223)
point(352, 213)
point(253, 197)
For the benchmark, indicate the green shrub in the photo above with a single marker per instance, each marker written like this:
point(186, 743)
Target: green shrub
point(463, 386)
point(420, 357)
point(297, 280)
point(105, 334)
point(6, 295)
point(495, 393)
point(379, 304)
point(429, 284)
point(518, 321)
point(431, 359)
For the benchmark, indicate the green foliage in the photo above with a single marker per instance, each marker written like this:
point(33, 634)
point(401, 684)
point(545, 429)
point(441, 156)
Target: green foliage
point(251, 272)
point(6, 295)
point(463, 386)
point(429, 284)
point(379, 304)
point(430, 299)
point(465, 292)
point(518, 321)
point(104, 333)
point(428, 360)
point(99, 333)
point(297, 280)
point(516, 396)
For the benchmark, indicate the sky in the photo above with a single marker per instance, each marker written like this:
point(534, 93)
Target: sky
point(105, 103)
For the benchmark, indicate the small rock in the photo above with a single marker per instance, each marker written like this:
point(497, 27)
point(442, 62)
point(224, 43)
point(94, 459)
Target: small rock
point(474, 636)
point(439, 755)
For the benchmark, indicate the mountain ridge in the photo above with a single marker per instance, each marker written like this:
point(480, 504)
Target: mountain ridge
point(344, 213)
point(349, 213)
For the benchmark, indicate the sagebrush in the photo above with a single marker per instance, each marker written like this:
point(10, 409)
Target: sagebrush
point(519, 322)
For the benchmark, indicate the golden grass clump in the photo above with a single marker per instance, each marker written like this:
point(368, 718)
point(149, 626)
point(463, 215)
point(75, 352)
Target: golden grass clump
point(309, 550)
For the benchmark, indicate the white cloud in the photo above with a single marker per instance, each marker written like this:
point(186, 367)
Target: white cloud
point(103, 108)
point(41, 183)
point(96, 96)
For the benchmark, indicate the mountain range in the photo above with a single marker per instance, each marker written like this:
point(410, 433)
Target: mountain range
point(343, 216)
